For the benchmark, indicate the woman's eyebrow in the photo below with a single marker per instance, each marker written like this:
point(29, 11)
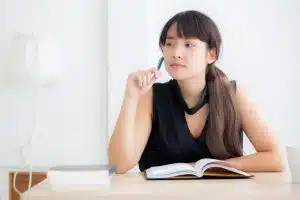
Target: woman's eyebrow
point(170, 37)
point(191, 38)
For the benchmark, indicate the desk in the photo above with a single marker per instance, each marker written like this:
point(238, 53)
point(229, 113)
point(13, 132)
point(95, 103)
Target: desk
point(131, 186)
point(7, 172)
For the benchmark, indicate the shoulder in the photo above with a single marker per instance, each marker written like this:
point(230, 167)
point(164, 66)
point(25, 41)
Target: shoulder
point(232, 84)
point(164, 85)
point(237, 88)
point(245, 101)
point(240, 93)
point(163, 89)
point(163, 94)
point(155, 96)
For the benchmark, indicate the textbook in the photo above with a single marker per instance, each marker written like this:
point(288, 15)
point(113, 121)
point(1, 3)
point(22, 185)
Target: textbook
point(81, 176)
point(204, 168)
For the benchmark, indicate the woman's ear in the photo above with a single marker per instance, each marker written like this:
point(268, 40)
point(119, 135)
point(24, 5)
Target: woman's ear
point(211, 56)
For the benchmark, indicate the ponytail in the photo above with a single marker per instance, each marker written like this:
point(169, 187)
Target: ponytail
point(224, 126)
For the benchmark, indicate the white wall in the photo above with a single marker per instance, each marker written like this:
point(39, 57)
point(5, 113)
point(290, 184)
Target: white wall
point(127, 49)
point(260, 51)
point(72, 115)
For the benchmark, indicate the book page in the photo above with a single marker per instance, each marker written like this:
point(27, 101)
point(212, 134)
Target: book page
point(218, 169)
point(170, 170)
point(208, 163)
point(203, 162)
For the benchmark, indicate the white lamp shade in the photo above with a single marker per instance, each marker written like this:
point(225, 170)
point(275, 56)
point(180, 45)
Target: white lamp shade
point(34, 60)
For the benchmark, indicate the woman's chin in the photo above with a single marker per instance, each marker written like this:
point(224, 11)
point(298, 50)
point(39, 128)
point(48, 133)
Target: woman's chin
point(179, 74)
point(179, 77)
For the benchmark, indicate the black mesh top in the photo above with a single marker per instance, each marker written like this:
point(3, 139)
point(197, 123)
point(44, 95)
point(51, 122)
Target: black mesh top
point(170, 140)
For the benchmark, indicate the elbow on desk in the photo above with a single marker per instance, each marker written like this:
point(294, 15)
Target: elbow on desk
point(122, 168)
point(279, 166)
point(275, 163)
point(122, 160)
point(123, 165)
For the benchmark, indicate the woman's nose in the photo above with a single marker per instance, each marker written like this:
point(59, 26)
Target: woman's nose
point(177, 53)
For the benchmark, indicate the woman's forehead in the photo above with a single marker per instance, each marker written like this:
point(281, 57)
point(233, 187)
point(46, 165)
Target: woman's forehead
point(175, 36)
point(173, 33)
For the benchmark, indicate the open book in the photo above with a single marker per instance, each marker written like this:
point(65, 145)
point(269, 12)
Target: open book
point(204, 168)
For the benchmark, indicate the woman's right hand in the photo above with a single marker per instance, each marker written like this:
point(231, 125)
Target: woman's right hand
point(140, 82)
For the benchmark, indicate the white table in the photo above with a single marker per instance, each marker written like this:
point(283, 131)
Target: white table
point(264, 186)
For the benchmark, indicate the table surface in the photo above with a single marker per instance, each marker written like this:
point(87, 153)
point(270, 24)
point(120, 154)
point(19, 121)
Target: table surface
point(134, 186)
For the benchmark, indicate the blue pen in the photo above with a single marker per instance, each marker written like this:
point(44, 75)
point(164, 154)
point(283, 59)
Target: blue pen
point(160, 63)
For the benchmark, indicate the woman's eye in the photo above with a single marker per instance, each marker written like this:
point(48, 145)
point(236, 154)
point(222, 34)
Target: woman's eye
point(168, 44)
point(188, 45)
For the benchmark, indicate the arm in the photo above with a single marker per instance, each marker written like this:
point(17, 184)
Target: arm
point(267, 156)
point(131, 132)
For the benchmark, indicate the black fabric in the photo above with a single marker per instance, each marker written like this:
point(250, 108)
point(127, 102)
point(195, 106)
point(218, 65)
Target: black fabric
point(170, 140)
point(203, 99)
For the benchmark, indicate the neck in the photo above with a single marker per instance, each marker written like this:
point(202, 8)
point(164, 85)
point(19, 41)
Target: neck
point(191, 88)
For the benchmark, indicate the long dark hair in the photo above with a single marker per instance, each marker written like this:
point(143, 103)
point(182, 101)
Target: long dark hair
point(224, 124)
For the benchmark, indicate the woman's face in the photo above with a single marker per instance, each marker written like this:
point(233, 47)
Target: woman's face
point(185, 57)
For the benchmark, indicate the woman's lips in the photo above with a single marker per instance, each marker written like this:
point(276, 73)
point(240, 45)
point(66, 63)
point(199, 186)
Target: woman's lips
point(176, 65)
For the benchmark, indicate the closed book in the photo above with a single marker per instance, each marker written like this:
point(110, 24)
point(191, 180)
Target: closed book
point(81, 176)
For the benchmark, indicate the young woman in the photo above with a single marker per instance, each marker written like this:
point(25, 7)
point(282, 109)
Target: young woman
point(198, 114)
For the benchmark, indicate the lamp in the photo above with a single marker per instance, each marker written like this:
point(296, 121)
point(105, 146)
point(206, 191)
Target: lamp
point(35, 60)
point(34, 64)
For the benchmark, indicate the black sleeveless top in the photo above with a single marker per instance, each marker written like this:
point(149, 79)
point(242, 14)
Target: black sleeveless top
point(170, 140)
